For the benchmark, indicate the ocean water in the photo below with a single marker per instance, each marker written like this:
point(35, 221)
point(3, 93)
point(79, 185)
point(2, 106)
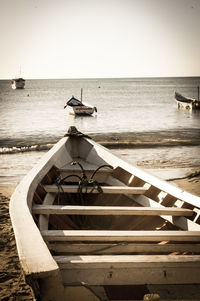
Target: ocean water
point(34, 118)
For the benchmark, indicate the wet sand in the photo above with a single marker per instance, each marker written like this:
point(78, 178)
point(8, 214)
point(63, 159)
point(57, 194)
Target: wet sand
point(191, 183)
point(12, 284)
point(149, 139)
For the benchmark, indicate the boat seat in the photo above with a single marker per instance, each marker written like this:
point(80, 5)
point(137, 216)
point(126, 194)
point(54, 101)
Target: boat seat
point(123, 248)
point(101, 175)
point(120, 235)
point(109, 210)
point(129, 269)
point(88, 170)
point(105, 189)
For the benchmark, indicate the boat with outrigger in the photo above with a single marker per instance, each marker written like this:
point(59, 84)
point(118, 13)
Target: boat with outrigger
point(77, 107)
point(186, 102)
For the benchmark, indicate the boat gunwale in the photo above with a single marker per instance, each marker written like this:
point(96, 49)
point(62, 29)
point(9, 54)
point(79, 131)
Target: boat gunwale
point(36, 260)
point(162, 185)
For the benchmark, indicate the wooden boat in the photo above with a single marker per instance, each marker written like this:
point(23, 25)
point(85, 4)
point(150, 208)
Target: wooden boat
point(187, 103)
point(18, 83)
point(89, 226)
point(77, 107)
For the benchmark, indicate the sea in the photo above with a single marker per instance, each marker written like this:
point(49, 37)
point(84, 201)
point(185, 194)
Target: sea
point(33, 119)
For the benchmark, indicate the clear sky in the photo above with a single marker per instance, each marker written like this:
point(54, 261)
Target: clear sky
point(99, 38)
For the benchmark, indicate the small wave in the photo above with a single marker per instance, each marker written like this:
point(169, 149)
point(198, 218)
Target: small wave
point(188, 137)
point(22, 149)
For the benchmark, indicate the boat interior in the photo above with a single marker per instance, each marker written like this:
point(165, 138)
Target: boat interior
point(114, 230)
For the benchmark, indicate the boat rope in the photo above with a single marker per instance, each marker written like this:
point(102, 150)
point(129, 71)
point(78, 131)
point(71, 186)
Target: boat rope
point(73, 132)
point(85, 185)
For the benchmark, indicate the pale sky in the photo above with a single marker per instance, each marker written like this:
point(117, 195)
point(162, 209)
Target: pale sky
point(99, 38)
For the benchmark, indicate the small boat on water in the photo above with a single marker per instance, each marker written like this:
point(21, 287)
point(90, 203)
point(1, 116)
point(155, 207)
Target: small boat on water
point(186, 102)
point(89, 226)
point(77, 107)
point(18, 83)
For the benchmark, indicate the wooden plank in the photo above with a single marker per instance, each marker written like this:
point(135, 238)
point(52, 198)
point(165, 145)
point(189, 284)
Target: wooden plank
point(130, 269)
point(136, 261)
point(78, 171)
point(44, 219)
point(108, 210)
point(153, 193)
point(113, 235)
point(105, 189)
point(168, 200)
point(122, 248)
point(101, 175)
point(164, 186)
point(181, 222)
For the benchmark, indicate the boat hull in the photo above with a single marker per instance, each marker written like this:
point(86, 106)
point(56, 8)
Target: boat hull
point(187, 103)
point(105, 240)
point(184, 105)
point(18, 83)
point(77, 107)
point(81, 110)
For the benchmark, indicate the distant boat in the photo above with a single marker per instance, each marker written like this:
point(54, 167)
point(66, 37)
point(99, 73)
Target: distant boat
point(18, 83)
point(186, 102)
point(77, 107)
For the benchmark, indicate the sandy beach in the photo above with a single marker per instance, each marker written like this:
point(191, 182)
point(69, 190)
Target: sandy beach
point(12, 284)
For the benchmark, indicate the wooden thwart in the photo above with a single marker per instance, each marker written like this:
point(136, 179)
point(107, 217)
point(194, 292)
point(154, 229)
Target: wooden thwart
point(109, 210)
point(76, 171)
point(93, 235)
point(122, 248)
point(129, 269)
point(128, 260)
point(90, 189)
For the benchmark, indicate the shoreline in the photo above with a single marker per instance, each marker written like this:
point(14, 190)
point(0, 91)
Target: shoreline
point(187, 137)
point(12, 284)
point(151, 139)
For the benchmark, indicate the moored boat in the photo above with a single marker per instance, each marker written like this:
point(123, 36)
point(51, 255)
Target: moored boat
point(186, 102)
point(77, 107)
point(18, 83)
point(88, 225)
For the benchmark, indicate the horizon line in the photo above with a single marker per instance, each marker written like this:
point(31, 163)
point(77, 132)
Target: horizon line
point(99, 78)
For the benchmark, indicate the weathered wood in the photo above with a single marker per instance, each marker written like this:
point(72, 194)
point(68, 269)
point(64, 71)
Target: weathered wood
point(181, 222)
point(153, 193)
point(145, 261)
point(108, 210)
point(127, 178)
point(130, 269)
point(101, 175)
point(43, 218)
point(87, 169)
point(169, 200)
point(37, 261)
point(122, 248)
point(93, 235)
point(105, 189)
point(164, 186)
